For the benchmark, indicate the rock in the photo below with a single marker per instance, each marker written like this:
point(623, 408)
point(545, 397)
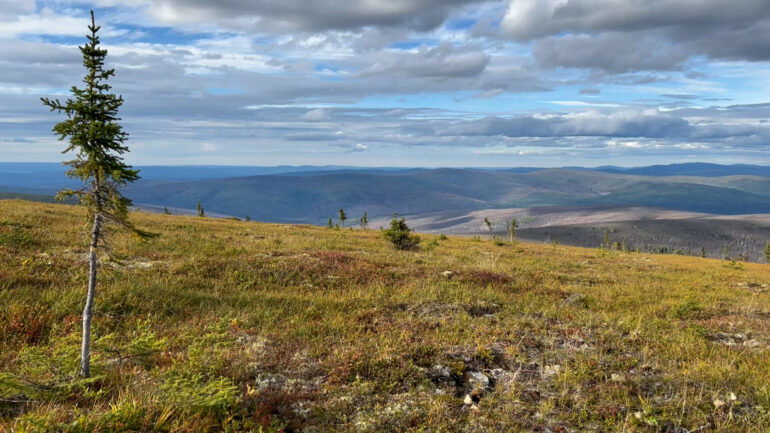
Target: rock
point(496, 373)
point(447, 274)
point(577, 300)
point(478, 380)
point(551, 370)
point(468, 400)
point(752, 343)
point(503, 379)
point(615, 377)
point(439, 372)
point(442, 370)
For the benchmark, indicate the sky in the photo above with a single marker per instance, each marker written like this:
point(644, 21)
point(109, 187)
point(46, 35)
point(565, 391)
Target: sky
point(463, 83)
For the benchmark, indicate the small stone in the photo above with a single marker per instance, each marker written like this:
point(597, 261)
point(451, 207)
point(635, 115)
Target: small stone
point(478, 380)
point(447, 274)
point(577, 300)
point(468, 400)
point(496, 373)
point(551, 370)
point(752, 343)
point(440, 372)
point(615, 377)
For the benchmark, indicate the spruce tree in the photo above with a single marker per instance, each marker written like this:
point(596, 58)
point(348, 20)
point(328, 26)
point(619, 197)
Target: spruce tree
point(343, 217)
point(488, 223)
point(98, 141)
point(330, 224)
point(767, 251)
point(511, 228)
point(401, 235)
point(364, 221)
point(199, 209)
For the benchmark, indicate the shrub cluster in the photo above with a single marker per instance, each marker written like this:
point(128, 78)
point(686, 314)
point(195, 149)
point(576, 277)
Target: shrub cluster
point(401, 235)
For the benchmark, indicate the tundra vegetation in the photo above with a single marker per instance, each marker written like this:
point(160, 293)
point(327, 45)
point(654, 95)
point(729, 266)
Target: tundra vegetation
point(220, 325)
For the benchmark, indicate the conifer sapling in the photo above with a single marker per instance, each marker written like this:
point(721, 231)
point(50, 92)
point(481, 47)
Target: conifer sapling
point(364, 221)
point(97, 139)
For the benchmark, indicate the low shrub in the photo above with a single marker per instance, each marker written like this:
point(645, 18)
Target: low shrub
point(400, 235)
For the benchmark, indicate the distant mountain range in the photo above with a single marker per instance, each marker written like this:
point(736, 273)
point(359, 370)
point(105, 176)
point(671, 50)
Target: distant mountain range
point(313, 194)
point(699, 169)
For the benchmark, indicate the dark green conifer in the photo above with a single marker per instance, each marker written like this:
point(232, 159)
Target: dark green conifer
point(364, 221)
point(98, 142)
point(400, 235)
point(511, 229)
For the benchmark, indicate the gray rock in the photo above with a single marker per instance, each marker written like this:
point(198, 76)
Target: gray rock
point(478, 380)
point(439, 371)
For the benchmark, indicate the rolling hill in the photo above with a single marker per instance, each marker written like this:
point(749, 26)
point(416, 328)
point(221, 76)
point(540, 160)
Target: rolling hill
point(643, 228)
point(315, 198)
point(220, 325)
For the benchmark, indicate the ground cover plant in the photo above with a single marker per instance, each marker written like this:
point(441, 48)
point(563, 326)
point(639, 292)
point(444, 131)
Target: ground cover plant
point(221, 325)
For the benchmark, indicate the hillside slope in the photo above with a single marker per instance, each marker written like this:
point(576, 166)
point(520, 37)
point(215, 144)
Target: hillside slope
point(313, 198)
point(219, 325)
point(644, 228)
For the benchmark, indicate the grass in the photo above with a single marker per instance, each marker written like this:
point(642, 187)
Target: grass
point(220, 325)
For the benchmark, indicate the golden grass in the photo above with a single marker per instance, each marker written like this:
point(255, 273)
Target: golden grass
point(219, 325)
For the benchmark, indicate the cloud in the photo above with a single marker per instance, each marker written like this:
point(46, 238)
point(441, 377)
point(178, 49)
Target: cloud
point(316, 115)
point(46, 22)
point(307, 16)
point(613, 52)
point(443, 61)
point(533, 19)
point(298, 79)
point(593, 123)
point(590, 123)
point(624, 35)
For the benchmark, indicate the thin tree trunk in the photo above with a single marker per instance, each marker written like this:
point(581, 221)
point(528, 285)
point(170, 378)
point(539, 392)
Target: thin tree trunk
point(85, 351)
